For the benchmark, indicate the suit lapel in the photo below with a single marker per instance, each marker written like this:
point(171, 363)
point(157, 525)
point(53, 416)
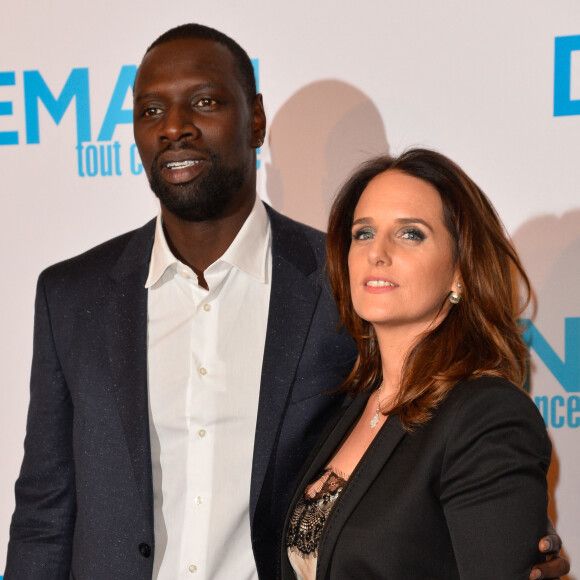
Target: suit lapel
point(293, 302)
point(126, 330)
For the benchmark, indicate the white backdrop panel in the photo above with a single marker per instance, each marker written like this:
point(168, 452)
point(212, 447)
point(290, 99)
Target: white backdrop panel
point(341, 81)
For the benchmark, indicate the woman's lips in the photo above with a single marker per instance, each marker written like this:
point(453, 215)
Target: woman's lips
point(378, 286)
point(379, 283)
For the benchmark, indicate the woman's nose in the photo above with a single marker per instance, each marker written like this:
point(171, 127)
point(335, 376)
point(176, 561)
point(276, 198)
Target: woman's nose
point(379, 253)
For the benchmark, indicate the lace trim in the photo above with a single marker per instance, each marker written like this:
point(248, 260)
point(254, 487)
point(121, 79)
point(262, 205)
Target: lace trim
point(311, 513)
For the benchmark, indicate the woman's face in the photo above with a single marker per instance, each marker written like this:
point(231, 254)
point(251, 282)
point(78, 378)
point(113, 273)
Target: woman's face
point(401, 256)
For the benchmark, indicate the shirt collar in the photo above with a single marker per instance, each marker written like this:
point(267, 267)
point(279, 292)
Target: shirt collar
point(248, 252)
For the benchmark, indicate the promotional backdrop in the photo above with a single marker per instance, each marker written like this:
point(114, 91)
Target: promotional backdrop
point(495, 85)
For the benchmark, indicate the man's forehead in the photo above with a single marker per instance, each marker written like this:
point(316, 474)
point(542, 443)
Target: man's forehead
point(188, 57)
point(194, 51)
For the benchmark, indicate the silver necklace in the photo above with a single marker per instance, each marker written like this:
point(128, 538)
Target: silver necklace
point(375, 419)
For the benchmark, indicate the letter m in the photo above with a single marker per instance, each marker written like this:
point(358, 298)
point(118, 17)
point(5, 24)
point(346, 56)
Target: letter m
point(35, 90)
point(566, 371)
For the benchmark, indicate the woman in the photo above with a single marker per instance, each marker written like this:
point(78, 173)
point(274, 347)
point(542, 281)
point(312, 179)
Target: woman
point(437, 469)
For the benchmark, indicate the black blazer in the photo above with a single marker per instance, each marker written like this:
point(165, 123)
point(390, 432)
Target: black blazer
point(464, 496)
point(84, 499)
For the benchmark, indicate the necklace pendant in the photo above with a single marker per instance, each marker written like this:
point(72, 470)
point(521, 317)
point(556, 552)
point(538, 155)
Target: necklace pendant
point(375, 420)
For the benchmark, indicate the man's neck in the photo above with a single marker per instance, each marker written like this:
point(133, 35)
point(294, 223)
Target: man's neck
point(200, 244)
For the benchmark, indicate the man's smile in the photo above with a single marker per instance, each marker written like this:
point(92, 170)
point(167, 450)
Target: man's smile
point(182, 164)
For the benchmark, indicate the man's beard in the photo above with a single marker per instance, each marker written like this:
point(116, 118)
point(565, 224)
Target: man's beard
point(206, 197)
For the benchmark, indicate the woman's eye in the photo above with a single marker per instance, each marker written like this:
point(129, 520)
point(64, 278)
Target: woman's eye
point(413, 234)
point(363, 234)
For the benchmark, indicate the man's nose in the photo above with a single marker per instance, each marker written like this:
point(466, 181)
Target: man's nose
point(179, 123)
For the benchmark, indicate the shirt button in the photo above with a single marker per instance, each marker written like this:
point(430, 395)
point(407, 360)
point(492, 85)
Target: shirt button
point(207, 307)
point(202, 371)
point(198, 500)
point(202, 433)
point(192, 568)
point(184, 273)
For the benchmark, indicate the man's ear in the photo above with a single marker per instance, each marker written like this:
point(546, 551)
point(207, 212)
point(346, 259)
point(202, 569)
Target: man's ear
point(258, 122)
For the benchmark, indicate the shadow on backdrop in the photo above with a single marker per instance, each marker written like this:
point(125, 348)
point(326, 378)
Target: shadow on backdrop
point(316, 139)
point(549, 246)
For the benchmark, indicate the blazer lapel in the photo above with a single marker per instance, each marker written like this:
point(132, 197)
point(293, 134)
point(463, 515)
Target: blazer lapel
point(365, 473)
point(293, 302)
point(328, 443)
point(126, 330)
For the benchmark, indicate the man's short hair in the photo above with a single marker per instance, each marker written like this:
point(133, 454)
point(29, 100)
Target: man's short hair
point(244, 68)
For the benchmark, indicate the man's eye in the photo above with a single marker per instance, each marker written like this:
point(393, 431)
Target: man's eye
point(151, 111)
point(205, 102)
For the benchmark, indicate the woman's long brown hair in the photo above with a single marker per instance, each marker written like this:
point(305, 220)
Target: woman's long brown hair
point(480, 335)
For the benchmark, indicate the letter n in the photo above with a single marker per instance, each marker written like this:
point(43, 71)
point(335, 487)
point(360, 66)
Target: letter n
point(566, 371)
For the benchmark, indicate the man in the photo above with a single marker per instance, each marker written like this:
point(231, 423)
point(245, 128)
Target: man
point(174, 361)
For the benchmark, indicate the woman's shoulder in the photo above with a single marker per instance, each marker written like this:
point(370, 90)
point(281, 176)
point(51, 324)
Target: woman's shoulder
point(487, 389)
point(487, 404)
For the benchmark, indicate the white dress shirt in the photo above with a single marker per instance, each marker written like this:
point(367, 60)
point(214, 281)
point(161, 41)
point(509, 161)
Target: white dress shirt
point(205, 352)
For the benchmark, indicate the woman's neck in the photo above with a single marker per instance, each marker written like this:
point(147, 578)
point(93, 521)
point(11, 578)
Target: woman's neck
point(394, 345)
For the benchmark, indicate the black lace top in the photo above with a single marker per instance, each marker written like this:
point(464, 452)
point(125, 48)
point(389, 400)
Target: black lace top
point(309, 518)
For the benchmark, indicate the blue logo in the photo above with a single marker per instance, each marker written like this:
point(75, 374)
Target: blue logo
point(563, 104)
point(104, 157)
point(559, 411)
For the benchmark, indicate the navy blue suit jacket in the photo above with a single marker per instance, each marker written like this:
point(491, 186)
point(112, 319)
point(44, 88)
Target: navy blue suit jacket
point(84, 497)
